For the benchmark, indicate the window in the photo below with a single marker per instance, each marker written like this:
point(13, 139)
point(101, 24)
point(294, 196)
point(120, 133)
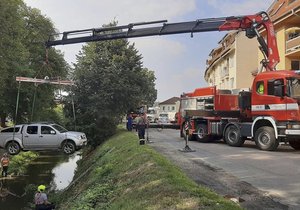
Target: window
point(59, 128)
point(260, 87)
point(163, 108)
point(232, 83)
point(32, 129)
point(294, 87)
point(173, 108)
point(275, 87)
point(10, 130)
point(47, 130)
point(231, 62)
point(295, 65)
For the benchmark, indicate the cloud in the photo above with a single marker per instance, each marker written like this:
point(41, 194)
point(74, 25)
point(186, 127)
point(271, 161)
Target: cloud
point(71, 14)
point(159, 51)
point(238, 7)
point(186, 80)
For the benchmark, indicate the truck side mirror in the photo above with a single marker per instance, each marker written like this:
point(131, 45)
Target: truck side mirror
point(52, 132)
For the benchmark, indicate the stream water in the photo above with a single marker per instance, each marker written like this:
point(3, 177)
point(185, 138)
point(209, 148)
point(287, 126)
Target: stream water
point(52, 169)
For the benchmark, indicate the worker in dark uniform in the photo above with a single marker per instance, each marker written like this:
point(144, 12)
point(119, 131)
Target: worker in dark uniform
point(129, 122)
point(141, 125)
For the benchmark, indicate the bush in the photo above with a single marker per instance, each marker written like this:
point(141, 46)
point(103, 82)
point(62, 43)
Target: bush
point(19, 163)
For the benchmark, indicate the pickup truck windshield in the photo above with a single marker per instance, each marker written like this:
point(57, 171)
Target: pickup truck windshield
point(59, 128)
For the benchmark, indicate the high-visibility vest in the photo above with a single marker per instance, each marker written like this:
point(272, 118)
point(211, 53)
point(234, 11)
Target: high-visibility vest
point(4, 161)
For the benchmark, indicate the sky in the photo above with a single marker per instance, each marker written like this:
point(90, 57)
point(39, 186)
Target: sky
point(179, 61)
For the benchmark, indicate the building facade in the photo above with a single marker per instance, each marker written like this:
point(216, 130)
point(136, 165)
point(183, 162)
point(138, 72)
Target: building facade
point(170, 107)
point(231, 63)
point(285, 15)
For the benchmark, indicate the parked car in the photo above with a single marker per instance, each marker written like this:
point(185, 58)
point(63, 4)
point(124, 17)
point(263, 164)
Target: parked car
point(41, 136)
point(163, 118)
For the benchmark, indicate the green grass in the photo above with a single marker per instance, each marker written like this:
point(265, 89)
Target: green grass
point(121, 174)
point(19, 163)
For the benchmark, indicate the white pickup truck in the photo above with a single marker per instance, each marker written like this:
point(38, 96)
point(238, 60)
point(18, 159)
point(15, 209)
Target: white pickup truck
point(41, 136)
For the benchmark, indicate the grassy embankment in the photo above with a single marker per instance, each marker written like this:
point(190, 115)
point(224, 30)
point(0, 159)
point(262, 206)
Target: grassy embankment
point(121, 174)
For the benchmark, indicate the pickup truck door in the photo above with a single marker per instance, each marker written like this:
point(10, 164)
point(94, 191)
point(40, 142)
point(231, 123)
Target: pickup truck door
point(31, 137)
point(49, 138)
point(40, 137)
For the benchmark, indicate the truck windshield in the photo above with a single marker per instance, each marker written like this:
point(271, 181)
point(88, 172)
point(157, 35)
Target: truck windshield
point(59, 128)
point(294, 88)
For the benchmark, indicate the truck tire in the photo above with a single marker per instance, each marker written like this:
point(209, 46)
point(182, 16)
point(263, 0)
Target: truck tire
point(233, 136)
point(265, 138)
point(68, 147)
point(201, 135)
point(295, 144)
point(13, 148)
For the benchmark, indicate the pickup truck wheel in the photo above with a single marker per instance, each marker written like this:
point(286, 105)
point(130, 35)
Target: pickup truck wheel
point(265, 138)
point(294, 144)
point(69, 147)
point(233, 136)
point(13, 148)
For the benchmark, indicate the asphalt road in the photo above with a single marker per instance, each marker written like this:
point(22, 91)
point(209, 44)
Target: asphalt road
point(264, 180)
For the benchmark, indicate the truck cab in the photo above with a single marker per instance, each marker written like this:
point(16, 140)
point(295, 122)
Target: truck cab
point(278, 105)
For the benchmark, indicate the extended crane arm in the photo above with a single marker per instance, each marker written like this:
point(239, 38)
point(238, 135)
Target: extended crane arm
point(249, 23)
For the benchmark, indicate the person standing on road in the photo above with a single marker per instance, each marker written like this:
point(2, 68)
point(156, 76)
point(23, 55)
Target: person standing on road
point(41, 200)
point(141, 125)
point(4, 164)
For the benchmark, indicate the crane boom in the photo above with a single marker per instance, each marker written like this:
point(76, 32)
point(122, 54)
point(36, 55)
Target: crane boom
point(250, 24)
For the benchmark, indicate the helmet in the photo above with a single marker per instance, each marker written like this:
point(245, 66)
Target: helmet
point(41, 188)
point(5, 155)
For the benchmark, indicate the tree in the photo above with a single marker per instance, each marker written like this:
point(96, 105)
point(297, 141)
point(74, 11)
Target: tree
point(22, 53)
point(12, 50)
point(110, 80)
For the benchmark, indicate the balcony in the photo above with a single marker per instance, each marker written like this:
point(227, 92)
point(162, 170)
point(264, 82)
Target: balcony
point(293, 42)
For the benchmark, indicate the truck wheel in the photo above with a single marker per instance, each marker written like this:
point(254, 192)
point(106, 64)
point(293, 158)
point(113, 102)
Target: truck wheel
point(201, 135)
point(233, 136)
point(69, 147)
point(13, 148)
point(265, 138)
point(294, 144)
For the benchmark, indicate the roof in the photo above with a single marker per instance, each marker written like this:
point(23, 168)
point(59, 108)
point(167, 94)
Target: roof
point(172, 100)
point(279, 9)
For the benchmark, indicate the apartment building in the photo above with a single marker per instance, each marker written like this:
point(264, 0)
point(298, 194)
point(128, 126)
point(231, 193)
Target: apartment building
point(231, 64)
point(170, 107)
point(285, 14)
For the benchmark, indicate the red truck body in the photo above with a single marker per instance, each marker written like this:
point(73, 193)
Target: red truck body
point(268, 118)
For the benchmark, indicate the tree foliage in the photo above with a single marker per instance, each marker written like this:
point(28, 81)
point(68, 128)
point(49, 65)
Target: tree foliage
point(22, 53)
point(110, 80)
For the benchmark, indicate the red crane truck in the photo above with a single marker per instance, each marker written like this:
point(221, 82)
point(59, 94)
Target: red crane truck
point(268, 117)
